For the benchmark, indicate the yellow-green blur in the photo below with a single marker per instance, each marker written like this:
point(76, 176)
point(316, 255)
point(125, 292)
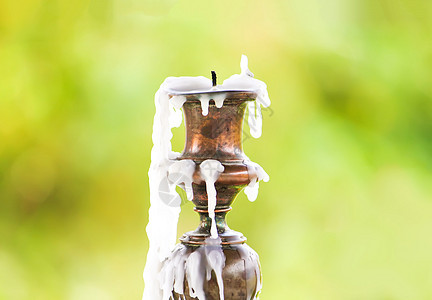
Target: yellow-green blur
point(347, 143)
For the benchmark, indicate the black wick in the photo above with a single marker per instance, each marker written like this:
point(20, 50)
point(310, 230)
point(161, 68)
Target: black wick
point(214, 79)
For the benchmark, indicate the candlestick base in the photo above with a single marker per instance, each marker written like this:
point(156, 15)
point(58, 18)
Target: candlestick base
point(241, 275)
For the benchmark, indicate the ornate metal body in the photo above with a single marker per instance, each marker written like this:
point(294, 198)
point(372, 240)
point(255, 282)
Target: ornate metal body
point(219, 136)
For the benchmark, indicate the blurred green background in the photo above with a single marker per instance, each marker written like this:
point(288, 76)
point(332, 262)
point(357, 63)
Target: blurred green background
point(347, 213)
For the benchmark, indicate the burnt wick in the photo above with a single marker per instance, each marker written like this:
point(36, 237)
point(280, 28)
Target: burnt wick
point(214, 78)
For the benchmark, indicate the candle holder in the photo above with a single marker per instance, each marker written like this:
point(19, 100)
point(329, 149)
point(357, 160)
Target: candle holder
point(218, 136)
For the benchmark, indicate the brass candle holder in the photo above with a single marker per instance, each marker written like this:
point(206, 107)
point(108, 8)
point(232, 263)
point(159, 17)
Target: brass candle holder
point(218, 136)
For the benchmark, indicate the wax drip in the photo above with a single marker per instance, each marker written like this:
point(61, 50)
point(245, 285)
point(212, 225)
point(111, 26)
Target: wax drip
point(215, 261)
point(249, 256)
point(210, 172)
point(245, 81)
point(218, 98)
point(180, 173)
point(259, 174)
point(205, 100)
point(197, 266)
point(165, 207)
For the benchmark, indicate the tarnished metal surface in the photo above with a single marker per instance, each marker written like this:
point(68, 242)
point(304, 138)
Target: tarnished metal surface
point(239, 278)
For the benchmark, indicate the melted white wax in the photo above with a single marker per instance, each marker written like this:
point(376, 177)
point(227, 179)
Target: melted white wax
point(251, 190)
point(180, 173)
point(244, 81)
point(205, 101)
point(203, 260)
point(164, 200)
point(210, 172)
point(166, 173)
point(250, 258)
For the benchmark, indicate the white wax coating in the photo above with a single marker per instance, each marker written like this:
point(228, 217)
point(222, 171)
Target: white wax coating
point(251, 190)
point(245, 81)
point(179, 274)
point(250, 258)
point(237, 82)
point(218, 98)
point(205, 100)
point(164, 200)
point(166, 276)
point(254, 119)
point(187, 84)
point(179, 265)
point(215, 261)
point(195, 271)
point(180, 173)
point(210, 172)
point(163, 218)
point(196, 266)
point(178, 101)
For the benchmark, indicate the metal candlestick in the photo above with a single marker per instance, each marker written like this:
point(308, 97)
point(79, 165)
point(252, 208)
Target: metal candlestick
point(218, 136)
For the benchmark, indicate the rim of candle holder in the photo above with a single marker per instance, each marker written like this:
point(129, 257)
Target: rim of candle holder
point(235, 172)
point(229, 237)
point(230, 94)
